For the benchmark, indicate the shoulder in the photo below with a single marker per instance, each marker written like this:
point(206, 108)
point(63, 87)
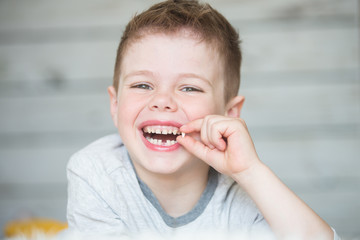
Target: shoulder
point(104, 154)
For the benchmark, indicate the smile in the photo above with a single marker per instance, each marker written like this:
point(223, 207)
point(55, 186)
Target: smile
point(161, 135)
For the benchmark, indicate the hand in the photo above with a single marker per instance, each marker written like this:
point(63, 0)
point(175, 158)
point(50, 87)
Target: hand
point(224, 143)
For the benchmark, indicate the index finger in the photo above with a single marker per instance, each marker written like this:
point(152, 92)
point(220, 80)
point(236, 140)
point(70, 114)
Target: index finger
point(193, 126)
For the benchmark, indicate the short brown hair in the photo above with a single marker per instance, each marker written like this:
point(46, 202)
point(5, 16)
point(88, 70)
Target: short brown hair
point(201, 19)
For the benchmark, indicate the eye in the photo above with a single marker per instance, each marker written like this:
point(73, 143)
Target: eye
point(191, 89)
point(144, 86)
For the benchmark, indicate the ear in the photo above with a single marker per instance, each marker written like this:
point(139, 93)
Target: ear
point(234, 106)
point(113, 104)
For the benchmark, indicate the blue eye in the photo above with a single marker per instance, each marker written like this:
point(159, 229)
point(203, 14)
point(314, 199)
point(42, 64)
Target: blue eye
point(142, 86)
point(191, 89)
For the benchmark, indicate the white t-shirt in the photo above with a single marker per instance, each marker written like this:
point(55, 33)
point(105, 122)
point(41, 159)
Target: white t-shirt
point(105, 196)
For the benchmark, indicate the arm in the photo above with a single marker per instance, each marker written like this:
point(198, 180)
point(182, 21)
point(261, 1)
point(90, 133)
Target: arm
point(227, 146)
point(286, 213)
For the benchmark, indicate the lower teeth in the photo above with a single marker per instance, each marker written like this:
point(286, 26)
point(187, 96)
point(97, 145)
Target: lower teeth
point(160, 142)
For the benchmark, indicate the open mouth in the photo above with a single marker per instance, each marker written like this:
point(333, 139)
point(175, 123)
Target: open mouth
point(161, 135)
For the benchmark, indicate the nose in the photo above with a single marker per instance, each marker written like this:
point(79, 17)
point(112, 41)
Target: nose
point(163, 102)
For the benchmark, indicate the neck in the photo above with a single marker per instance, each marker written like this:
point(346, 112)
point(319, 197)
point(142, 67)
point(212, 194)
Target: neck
point(178, 193)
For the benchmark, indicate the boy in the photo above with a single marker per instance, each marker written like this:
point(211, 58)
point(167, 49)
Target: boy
point(183, 160)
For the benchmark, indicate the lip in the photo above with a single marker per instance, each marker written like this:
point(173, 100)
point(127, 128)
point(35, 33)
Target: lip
point(161, 123)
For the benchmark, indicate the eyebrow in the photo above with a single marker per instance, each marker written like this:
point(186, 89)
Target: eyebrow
point(193, 75)
point(139, 73)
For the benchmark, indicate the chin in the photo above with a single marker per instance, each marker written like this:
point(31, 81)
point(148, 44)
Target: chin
point(163, 163)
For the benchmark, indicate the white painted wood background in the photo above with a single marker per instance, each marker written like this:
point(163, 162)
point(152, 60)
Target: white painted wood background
point(300, 78)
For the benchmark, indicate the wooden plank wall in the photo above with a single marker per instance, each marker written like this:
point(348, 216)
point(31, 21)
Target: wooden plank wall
point(300, 78)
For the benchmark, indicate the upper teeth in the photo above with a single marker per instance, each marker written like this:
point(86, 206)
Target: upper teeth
point(162, 130)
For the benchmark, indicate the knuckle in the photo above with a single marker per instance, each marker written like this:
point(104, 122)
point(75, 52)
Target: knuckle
point(204, 137)
point(207, 119)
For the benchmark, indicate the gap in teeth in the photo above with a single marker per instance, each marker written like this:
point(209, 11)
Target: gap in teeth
point(156, 134)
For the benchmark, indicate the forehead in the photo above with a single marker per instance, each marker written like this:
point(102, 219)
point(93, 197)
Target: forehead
point(172, 53)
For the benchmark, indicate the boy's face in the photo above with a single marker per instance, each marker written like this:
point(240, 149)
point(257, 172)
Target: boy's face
point(165, 82)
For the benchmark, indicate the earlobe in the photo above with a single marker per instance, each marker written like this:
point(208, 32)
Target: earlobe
point(234, 106)
point(113, 104)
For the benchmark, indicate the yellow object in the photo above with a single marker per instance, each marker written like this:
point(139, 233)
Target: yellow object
point(32, 226)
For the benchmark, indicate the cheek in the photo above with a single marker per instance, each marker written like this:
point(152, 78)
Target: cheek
point(126, 112)
point(201, 109)
point(126, 121)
